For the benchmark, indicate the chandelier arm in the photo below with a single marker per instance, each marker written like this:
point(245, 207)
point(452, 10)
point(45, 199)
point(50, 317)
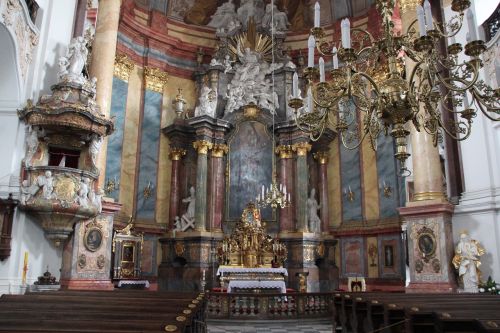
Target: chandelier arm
point(467, 129)
point(482, 104)
point(447, 82)
point(455, 24)
point(369, 78)
point(359, 142)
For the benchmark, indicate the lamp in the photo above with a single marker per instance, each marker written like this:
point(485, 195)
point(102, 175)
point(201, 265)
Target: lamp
point(275, 195)
point(370, 82)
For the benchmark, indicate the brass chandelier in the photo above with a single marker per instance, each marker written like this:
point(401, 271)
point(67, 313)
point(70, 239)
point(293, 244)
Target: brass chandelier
point(371, 84)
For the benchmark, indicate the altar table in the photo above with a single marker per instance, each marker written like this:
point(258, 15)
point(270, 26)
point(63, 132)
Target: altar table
point(256, 284)
point(258, 270)
point(252, 278)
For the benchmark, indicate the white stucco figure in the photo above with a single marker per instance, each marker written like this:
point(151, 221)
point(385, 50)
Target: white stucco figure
point(215, 62)
point(228, 64)
point(466, 260)
point(249, 83)
point(250, 8)
point(280, 21)
point(207, 103)
point(27, 191)
point(46, 182)
point(224, 15)
point(72, 64)
point(95, 198)
point(312, 212)
point(83, 192)
point(32, 142)
point(187, 219)
point(94, 149)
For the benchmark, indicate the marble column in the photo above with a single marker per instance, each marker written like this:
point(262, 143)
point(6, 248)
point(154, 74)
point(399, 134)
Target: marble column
point(301, 186)
point(202, 148)
point(217, 185)
point(102, 65)
point(175, 155)
point(322, 158)
point(286, 178)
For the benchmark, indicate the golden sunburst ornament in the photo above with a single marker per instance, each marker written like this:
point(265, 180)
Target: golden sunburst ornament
point(261, 44)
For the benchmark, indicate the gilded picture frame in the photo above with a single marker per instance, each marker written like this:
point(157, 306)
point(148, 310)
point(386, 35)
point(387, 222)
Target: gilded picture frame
point(426, 243)
point(93, 239)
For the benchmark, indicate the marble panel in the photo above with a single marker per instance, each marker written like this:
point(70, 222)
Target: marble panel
point(148, 160)
point(351, 178)
point(115, 140)
point(387, 172)
point(353, 257)
point(334, 185)
point(370, 182)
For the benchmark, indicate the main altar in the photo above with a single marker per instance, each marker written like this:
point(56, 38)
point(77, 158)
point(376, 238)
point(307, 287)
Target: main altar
point(251, 259)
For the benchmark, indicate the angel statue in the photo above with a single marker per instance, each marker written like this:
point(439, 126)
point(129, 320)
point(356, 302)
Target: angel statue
point(466, 260)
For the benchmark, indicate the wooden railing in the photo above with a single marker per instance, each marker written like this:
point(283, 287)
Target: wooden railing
point(269, 306)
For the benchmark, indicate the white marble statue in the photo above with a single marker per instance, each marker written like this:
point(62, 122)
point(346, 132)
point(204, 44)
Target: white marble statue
point(251, 8)
point(466, 260)
point(207, 103)
point(83, 192)
point(72, 64)
point(224, 15)
point(228, 64)
point(27, 191)
point(46, 182)
point(214, 62)
point(187, 219)
point(94, 149)
point(280, 19)
point(32, 142)
point(249, 83)
point(312, 212)
point(96, 199)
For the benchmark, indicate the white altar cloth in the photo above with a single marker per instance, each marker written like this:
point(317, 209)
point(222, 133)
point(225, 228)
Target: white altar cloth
point(254, 284)
point(224, 269)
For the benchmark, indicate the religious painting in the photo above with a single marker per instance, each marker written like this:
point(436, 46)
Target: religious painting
point(128, 252)
point(352, 255)
point(249, 167)
point(388, 256)
point(93, 239)
point(390, 246)
point(426, 244)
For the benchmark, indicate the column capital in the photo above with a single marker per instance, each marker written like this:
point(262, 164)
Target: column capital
point(321, 157)
point(176, 153)
point(202, 146)
point(408, 5)
point(301, 148)
point(123, 66)
point(284, 151)
point(219, 149)
point(155, 78)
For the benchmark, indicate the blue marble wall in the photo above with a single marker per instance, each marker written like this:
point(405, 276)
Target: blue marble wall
point(350, 168)
point(387, 172)
point(148, 155)
point(115, 140)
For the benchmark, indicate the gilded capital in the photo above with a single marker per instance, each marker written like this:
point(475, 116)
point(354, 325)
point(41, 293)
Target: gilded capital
point(219, 149)
point(123, 66)
point(321, 157)
point(284, 151)
point(176, 153)
point(155, 79)
point(301, 148)
point(408, 5)
point(202, 146)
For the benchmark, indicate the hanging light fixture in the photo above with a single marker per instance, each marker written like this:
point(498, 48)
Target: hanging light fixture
point(275, 195)
point(370, 88)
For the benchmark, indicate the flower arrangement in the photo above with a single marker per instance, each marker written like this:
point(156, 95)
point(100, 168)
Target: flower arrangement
point(490, 287)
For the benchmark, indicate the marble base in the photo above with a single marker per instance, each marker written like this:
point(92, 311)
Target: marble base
point(418, 287)
point(77, 284)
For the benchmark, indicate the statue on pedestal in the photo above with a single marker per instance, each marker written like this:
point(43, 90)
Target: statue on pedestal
point(466, 260)
point(207, 103)
point(312, 216)
point(224, 15)
point(186, 221)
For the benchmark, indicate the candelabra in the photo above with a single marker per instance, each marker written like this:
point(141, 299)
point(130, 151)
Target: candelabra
point(275, 196)
point(371, 81)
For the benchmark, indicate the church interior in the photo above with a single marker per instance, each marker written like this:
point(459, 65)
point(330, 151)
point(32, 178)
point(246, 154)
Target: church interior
point(190, 165)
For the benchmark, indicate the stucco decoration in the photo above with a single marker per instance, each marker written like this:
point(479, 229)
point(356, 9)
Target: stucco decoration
point(14, 15)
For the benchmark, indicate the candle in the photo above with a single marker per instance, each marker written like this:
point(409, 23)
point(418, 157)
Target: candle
point(309, 100)
point(335, 58)
point(321, 70)
point(311, 43)
point(345, 31)
point(262, 192)
point(316, 15)
point(471, 24)
point(466, 101)
point(25, 268)
point(421, 21)
point(295, 85)
point(428, 15)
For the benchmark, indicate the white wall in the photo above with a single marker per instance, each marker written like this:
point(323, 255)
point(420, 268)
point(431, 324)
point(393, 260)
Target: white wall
point(55, 25)
point(479, 207)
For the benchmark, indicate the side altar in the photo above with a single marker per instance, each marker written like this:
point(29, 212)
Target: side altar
point(249, 258)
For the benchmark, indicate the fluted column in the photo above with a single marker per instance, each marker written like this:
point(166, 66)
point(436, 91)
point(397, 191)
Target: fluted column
point(286, 178)
point(302, 178)
point(322, 158)
point(102, 65)
point(175, 156)
point(216, 191)
point(200, 211)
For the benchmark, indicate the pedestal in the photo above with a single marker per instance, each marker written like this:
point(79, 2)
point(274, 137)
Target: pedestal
point(430, 247)
point(302, 254)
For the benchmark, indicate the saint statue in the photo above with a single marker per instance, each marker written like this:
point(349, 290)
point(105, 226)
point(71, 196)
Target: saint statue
point(224, 16)
point(280, 19)
point(46, 182)
point(72, 64)
point(187, 219)
point(312, 209)
point(466, 260)
point(207, 103)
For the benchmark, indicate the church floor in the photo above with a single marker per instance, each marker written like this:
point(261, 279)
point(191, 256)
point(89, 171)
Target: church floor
point(271, 326)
